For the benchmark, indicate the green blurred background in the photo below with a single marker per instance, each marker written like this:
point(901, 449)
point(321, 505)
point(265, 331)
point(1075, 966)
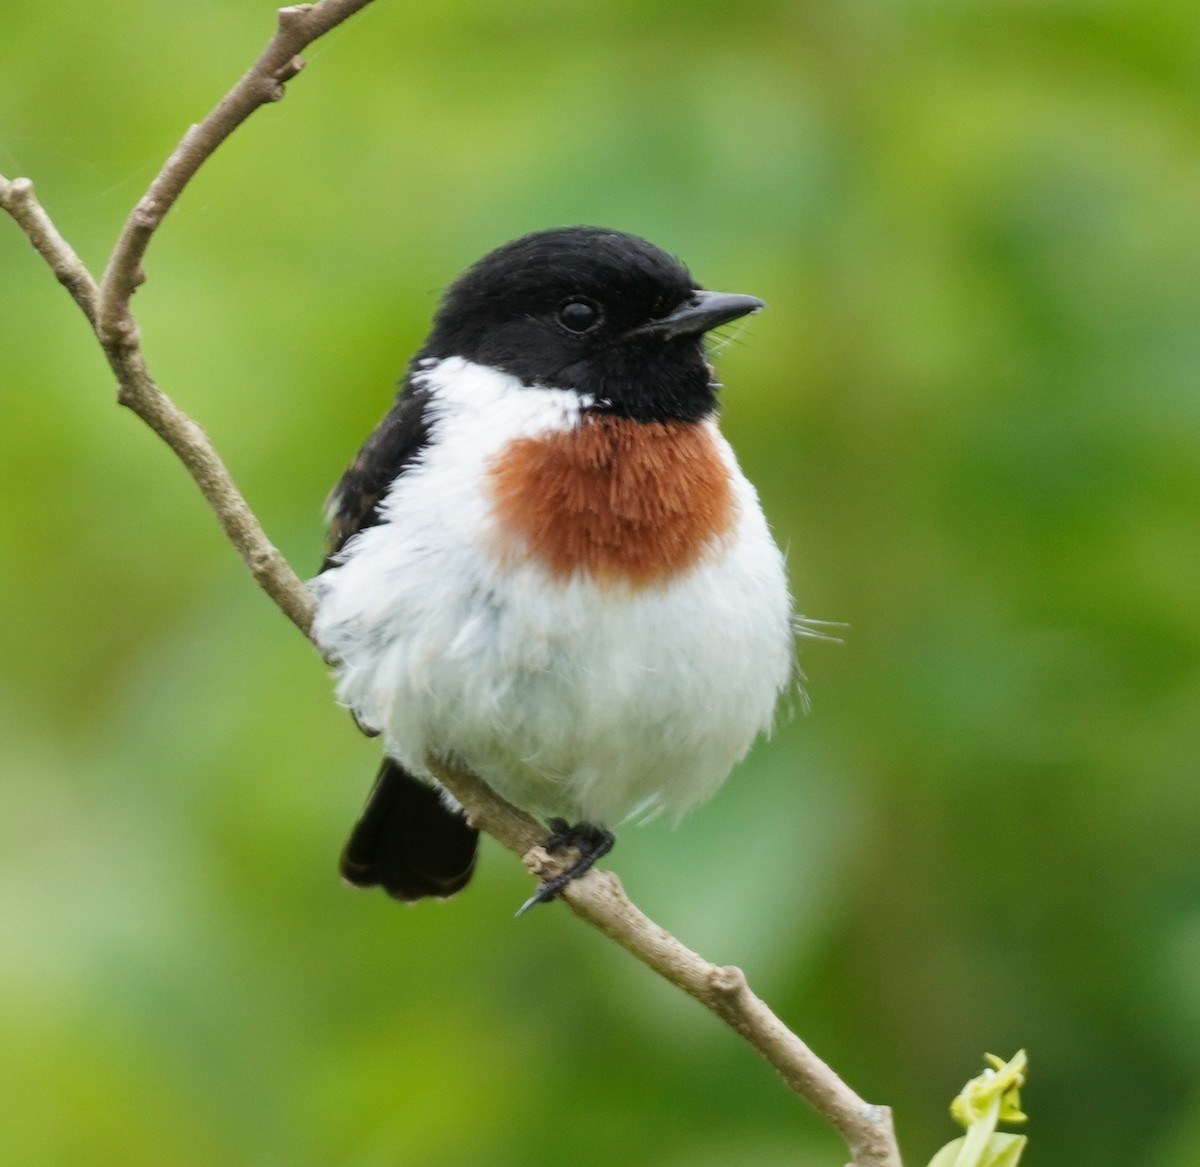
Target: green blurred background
point(972, 410)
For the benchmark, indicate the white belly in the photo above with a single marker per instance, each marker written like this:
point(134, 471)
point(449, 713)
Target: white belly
point(572, 699)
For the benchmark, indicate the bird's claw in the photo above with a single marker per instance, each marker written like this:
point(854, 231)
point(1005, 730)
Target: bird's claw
point(592, 842)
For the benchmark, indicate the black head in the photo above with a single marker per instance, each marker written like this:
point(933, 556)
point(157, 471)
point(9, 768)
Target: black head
point(597, 311)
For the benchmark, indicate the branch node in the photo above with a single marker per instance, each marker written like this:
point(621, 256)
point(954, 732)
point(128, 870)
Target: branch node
point(287, 71)
point(540, 863)
point(146, 214)
point(293, 18)
point(21, 190)
point(728, 981)
point(122, 333)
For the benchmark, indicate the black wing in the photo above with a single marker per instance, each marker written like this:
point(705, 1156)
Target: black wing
point(394, 443)
point(406, 840)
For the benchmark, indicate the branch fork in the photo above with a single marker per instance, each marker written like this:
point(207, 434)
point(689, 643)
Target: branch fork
point(596, 897)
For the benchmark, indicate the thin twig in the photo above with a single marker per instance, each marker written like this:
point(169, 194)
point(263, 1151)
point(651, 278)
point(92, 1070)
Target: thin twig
point(138, 390)
point(271, 571)
point(107, 305)
point(261, 84)
point(18, 199)
point(597, 897)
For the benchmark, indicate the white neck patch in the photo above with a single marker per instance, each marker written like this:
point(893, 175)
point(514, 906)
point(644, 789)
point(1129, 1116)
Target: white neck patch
point(460, 388)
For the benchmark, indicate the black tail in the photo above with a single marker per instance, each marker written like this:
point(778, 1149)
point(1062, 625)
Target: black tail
point(408, 841)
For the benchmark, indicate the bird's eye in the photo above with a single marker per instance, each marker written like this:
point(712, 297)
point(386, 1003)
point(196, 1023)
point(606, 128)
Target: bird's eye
point(579, 315)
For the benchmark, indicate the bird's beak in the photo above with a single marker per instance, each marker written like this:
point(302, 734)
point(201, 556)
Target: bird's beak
point(704, 311)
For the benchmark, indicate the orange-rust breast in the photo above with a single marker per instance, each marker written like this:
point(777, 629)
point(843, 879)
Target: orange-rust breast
point(625, 501)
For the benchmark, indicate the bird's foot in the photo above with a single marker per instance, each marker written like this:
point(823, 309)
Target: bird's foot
point(590, 841)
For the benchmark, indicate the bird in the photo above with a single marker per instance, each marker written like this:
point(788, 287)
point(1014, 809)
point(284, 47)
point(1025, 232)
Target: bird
point(546, 565)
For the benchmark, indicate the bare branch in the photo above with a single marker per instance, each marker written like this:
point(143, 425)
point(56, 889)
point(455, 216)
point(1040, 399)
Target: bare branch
point(597, 897)
point(266, 563)
point(137, 390)
point(262, 83)
point(107, 306)
point(18, 199)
